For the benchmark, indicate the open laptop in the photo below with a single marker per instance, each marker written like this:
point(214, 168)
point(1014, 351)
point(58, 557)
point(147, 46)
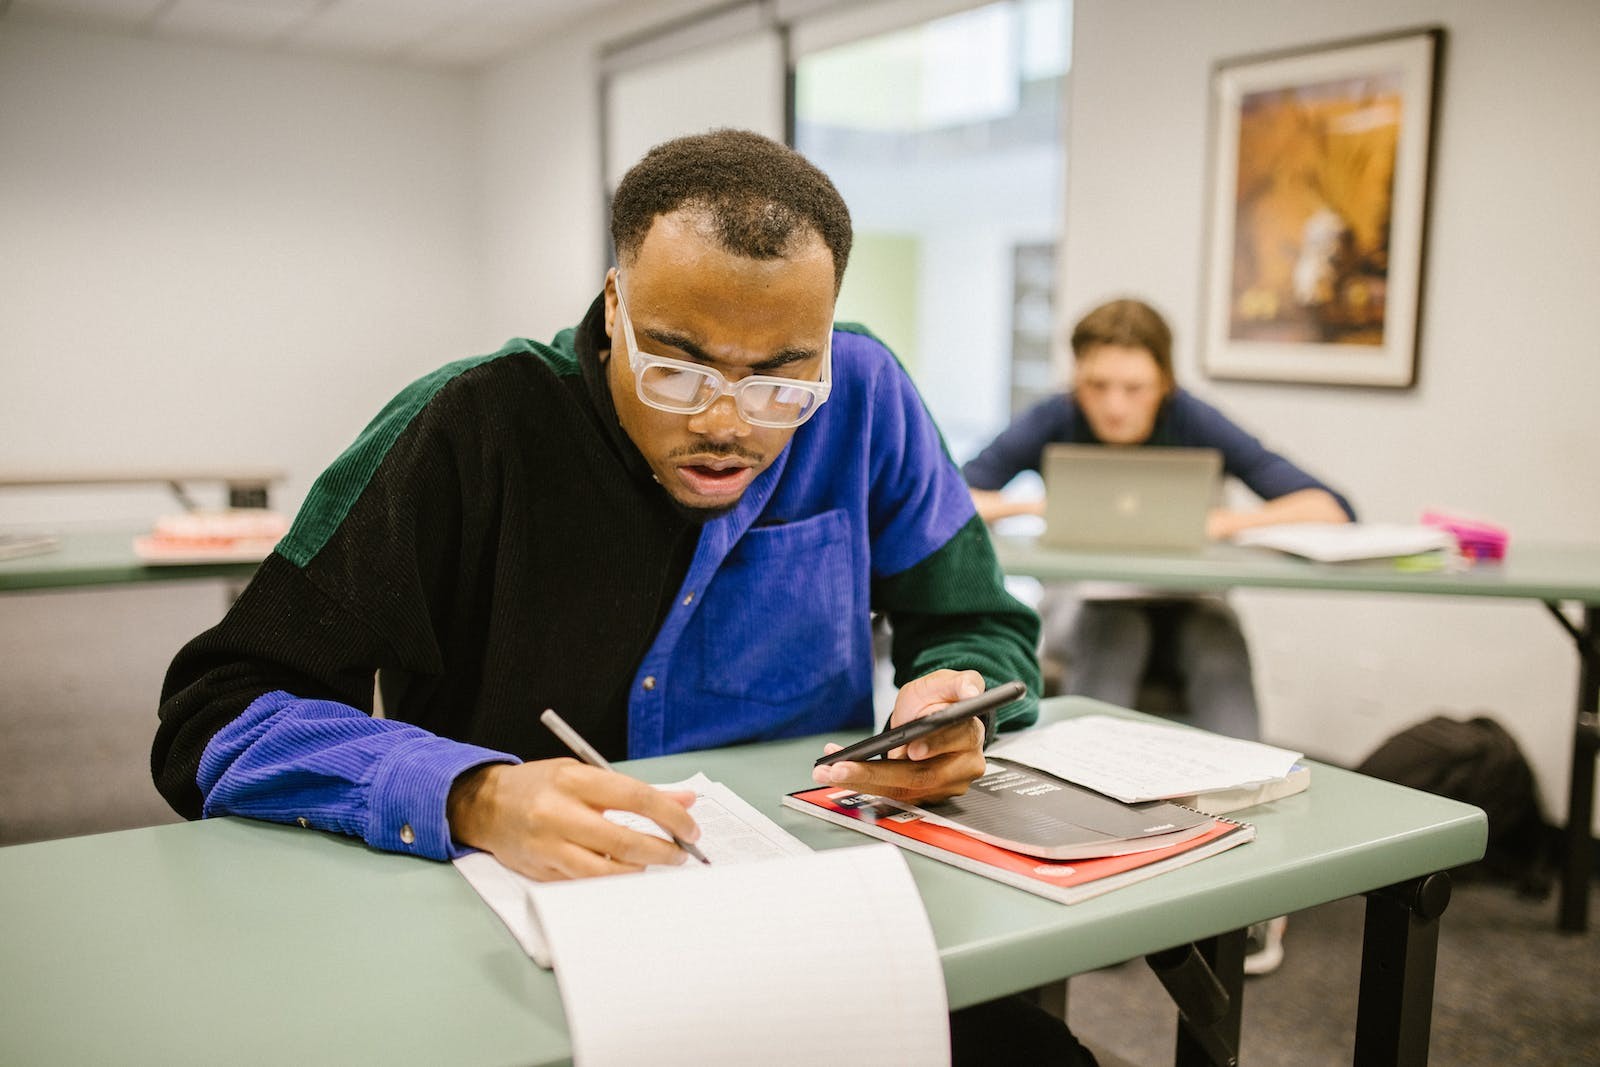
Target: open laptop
point(1099, 496)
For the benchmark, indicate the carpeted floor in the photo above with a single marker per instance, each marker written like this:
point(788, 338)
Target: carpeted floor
point(80, 679)
point(1510, 991)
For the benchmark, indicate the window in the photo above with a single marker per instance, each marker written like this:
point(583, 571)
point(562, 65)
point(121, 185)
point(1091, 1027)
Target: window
point(945, 139)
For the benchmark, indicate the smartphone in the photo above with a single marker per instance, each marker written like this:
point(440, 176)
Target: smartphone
point(905, 733)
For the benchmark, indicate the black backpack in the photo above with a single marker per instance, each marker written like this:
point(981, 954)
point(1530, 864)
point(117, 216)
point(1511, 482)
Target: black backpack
point(1476, 762)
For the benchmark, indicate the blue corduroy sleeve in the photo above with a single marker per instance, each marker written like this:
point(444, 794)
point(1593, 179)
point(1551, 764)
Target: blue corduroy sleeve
point(326, 765)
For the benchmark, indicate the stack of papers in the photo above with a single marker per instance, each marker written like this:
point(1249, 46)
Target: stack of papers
point(773, 951)
point(232, 535)
point(1343, 542)
point(731, 832)
point(1137, 762)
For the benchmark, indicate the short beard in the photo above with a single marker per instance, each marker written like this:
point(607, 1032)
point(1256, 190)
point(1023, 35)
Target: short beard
point(698, 515)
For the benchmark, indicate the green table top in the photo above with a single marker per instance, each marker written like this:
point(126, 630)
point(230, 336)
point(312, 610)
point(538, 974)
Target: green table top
point(103, 556)
point(1529, 571)
point(91, 557)
point(231, 939)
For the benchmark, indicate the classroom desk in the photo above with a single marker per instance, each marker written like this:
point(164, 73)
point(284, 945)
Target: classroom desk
point(247, 487)
point(1550, 573)
point(101, 557)
point(231, 938)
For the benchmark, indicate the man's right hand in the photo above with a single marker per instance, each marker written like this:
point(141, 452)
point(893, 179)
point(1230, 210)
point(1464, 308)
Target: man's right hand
point(546, 819)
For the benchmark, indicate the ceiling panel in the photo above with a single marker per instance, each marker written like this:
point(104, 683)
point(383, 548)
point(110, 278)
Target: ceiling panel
point(118, 14)
point(455, 33)
point(378, 27)
point(232, 21)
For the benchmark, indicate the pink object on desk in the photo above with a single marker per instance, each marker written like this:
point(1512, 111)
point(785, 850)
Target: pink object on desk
point(1476, 538)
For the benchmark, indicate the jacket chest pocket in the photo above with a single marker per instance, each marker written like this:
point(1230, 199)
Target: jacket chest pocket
point(778, 615)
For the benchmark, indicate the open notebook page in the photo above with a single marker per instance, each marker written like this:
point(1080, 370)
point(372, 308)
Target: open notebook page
point(732, 832)
point(803, 959)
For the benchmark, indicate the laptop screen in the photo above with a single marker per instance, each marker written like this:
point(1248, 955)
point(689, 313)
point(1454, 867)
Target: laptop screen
point(1102, 496)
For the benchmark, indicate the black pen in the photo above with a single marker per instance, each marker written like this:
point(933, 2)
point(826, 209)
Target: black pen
point(586, 752)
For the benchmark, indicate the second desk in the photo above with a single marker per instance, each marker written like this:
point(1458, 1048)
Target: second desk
point(1552, 574)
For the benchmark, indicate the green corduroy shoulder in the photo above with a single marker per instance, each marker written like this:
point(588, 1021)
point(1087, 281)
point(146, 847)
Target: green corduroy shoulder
point(336, 490)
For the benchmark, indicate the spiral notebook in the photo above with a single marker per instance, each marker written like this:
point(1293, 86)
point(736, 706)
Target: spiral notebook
point(1064, 881)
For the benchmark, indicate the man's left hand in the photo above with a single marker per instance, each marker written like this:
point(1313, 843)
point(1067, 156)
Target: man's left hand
point(931, 768)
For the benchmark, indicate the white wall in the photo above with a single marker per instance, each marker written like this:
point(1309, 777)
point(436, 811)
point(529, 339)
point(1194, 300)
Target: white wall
point(218, 255)
point(540, 188)
point(1503, 421)
point(541, 193)
point(208, 256)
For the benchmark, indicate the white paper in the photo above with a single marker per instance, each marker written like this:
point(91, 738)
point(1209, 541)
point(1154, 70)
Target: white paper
point(731, 829)
point(731, 832)
point(1136, 761)
point(1101, 591)
point(826, 957)
point(1342, 542)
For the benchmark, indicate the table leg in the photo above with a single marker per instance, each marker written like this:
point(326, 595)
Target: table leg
point(1398, 951)
point(1052, 997)
point(1206, 981)
point(1578, 849)
point(1574, 915)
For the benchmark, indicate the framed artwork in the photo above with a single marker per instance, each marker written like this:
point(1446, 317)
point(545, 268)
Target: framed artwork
point(1317, 211)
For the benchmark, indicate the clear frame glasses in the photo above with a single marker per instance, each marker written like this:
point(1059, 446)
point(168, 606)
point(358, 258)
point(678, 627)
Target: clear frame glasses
point(686, 388)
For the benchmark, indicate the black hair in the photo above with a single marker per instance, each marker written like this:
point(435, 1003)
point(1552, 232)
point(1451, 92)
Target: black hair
point(759, 196)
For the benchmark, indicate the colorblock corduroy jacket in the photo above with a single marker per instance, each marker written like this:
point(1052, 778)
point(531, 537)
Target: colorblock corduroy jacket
point(493, 544)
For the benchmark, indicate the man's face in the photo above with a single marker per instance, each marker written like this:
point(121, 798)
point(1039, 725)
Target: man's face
point(691, 300)
point(1119, 388)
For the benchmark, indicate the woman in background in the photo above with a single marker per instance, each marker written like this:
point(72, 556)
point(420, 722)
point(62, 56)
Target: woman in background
point(1124, 395)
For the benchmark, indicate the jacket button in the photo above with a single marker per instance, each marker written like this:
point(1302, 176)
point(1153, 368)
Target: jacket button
point(407, 835)
point(650, 681)
point(688, 598)
point(305, 824)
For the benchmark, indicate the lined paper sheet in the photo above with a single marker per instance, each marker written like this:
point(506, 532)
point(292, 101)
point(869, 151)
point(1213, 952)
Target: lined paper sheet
point(1136, 761)
point(825, 957)
point(732, 831)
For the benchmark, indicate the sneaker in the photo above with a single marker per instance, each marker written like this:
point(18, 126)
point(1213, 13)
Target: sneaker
point(1263, 946)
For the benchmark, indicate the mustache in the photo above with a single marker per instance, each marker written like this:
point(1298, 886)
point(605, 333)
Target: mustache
point(715, 451)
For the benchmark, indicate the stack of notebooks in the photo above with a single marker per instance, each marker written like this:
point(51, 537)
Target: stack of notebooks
point(231, 535)
point(1034, 822)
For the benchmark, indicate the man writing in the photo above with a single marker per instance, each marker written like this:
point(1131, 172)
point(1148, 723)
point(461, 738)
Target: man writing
point(671, 524)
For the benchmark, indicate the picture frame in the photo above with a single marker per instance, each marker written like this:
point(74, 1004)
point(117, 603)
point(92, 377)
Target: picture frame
point(1316, 231)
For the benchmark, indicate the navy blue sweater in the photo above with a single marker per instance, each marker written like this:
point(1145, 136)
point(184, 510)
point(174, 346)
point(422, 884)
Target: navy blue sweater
point(1184, 421)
